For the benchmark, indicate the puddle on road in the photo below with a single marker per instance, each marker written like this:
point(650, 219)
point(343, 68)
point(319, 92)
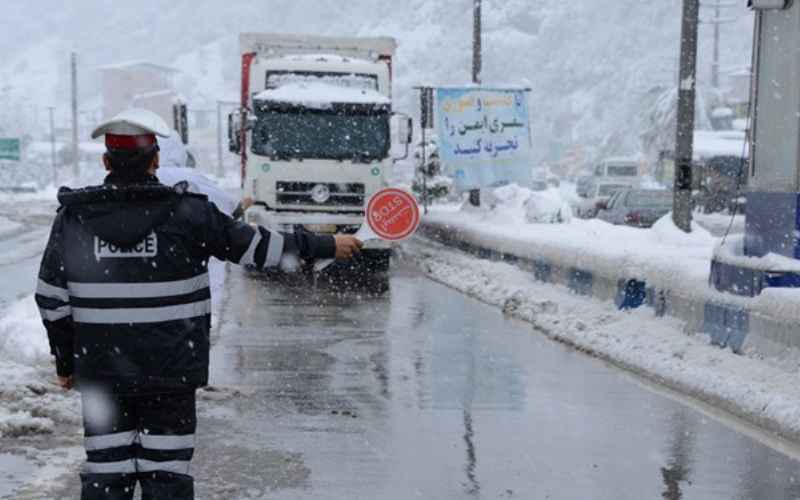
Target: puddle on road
point(12, 468)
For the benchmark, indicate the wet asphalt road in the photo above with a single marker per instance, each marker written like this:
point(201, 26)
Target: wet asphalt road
point(420, 392)
point(21, 250)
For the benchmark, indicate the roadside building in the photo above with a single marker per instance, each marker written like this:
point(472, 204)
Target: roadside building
point(139, 84)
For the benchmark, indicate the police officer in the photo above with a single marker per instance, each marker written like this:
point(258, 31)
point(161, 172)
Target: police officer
point(124, 295)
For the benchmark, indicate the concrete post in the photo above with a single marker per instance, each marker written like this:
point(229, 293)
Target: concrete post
point(220, 166)
point(477, 65)
point(773, 203)
point(51, 110)
point(684, 142)
point(76, 168)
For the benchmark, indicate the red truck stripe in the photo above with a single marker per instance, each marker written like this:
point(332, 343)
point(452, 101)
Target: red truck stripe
point(247, 61)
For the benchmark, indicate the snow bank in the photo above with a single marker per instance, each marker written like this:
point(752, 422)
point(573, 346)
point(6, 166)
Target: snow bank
point(22, 336)
point(662, 255)
point(667, 233)
point(732, 252)
point(595, 257)
point(517, 205)
point(8, 227)
point(30, 401)
point(661, 350)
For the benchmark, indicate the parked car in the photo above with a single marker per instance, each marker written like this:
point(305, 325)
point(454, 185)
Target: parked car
point(597, 197)
point(538, 185)
point(538, 180)
point(583, 185)
point(636, 207)
point(553, 180)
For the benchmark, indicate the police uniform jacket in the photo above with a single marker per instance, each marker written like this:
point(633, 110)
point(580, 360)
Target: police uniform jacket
point(124, 288)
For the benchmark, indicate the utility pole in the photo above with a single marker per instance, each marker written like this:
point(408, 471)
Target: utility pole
point(684, 141)
point(220, 167)
point(715, 62)
point(51, 109)
point(76, 169)
point(477, 64)
point(477, 61)
point(717, 21)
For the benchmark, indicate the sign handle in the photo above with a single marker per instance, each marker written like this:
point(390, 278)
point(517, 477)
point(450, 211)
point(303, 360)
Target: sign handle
point(363, 234)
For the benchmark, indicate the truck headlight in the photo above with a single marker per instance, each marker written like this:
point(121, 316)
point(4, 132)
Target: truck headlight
point(320, 193)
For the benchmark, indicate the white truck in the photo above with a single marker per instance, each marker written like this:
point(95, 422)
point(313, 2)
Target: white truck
point(314, 132)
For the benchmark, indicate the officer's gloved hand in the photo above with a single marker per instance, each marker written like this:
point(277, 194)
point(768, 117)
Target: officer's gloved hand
point(65, 383)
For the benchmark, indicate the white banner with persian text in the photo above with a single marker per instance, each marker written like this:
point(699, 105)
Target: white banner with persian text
point(484, 136)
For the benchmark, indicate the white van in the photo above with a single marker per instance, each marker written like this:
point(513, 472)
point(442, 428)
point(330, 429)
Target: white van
point(623, 169)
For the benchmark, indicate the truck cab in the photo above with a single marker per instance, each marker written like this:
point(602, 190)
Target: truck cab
point(315, 131)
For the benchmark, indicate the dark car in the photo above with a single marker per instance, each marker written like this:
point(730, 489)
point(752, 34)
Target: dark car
point(637, 207)
point(583, 185)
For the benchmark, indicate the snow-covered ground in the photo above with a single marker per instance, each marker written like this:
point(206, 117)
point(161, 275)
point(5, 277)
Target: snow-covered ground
point(762, 391)
point(7, 227)
point(31, 402)
point(589, 244)
point(663, 256)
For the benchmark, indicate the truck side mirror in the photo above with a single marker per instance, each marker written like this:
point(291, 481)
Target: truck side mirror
point(235, 132)
point(405, 130)
point(404, 126)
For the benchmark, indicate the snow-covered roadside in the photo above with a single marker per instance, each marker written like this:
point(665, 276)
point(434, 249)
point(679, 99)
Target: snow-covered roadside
point(31, 403)
point(8, 227)
point(663, 256)
point(658, 349)
point(588, 244)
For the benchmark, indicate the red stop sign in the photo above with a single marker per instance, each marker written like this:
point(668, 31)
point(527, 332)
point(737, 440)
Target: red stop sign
point(393, 214)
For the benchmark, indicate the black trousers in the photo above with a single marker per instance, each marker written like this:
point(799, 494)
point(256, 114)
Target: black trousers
point(147, 439)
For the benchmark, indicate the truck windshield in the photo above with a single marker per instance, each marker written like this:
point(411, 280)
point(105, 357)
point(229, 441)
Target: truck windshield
point(321, 134)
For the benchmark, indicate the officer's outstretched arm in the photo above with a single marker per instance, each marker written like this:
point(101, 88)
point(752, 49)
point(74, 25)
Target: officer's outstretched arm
point(243, 244)
point(52, 297)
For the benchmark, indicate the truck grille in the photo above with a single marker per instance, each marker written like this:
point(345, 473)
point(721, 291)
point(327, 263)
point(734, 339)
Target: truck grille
point(299, 193)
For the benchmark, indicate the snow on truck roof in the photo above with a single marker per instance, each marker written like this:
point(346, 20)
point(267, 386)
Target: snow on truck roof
point(326, 58)
point(322, 95)
point(279, 44)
